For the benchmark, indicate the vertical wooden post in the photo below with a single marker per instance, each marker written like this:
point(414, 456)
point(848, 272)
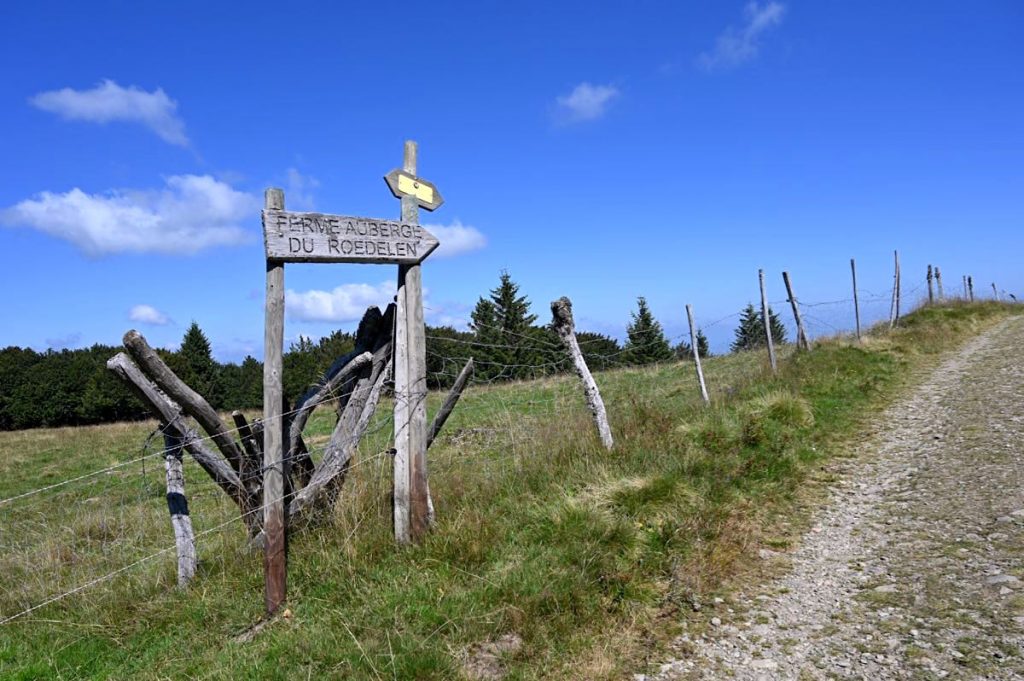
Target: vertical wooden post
point(856, 303)
point(995, 291)
point(696, 355)
point(896, 293)
point(411, 495)
point(931, 291)
point(275, 569)
point(767, 323)
point(177, 506)
point(965, 287)
point(895, 277)
point(801, 334)
point(970, 288)
point(938, 283)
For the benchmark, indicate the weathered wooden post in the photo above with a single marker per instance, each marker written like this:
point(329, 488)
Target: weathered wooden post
point(801, 334)
point(696, 355)
point(970, 288)
point(275, 569)
point(177, 506)
point(561, 311)
point(965, 287)
point(894, 311)
point(931, 291)
point(995, 291)
point(938, 283)
point(856, 304)
point(766, 316)
point(411, 494)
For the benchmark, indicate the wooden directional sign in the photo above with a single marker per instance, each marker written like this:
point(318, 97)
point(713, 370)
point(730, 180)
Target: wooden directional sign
point(402, 184)
point(315, 237)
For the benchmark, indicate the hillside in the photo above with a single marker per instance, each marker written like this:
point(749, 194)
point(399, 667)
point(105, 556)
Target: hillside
point(551, 557)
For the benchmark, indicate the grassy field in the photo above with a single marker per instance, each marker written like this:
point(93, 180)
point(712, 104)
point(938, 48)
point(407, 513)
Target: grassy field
point(579, 560)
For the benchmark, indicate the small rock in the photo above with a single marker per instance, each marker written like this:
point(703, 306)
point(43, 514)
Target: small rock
point(1001, 579)
point(715, 622)
point(886, 589)
point(767, 665)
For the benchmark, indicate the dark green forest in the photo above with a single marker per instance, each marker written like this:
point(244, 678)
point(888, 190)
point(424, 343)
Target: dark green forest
point(74, 387)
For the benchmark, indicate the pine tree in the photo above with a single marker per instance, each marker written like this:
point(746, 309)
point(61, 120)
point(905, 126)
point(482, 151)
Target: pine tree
point(197, 366)
point(503, 327)
point(750, 332)
point(646, 342)
point(684, 351)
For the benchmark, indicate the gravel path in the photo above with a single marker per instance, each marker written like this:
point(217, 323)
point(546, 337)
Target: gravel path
point(913, 569)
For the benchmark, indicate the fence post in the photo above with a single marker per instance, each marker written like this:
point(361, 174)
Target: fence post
point(177, 505)
point(965, 287)
point(766, 316)
point(970, 288)
point(696, 355)
point(893, 309)
point(565, 327)
point(938, 283)
point(995, 291)
point(412, 494)
point(856, 303)
point(931, 291)
point(801, 334)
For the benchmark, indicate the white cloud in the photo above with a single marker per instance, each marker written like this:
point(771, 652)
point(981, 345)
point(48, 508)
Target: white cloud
point(456, 239)
point(147, 314)
point(737, 45)
point(191, 213)
point(108, 102)
point(586, 102)
point(345, 303)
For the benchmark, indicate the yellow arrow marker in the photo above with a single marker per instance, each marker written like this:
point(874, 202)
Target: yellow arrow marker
point(408, 185)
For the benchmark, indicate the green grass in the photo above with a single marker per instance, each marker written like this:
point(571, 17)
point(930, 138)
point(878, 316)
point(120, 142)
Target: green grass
point(585, 555)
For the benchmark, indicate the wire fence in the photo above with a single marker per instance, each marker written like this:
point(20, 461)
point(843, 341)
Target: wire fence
point(76, 529)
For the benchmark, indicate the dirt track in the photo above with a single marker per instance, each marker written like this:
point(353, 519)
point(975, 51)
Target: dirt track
point(913, 570)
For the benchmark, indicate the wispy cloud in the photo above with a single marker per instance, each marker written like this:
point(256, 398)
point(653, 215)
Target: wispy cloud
point(344, 303)
point(299, 190)
point(456, 239)
point(736, 45)
point(147, 314)
point(108, 102)
point(190, 214)
point(63, 342)
point(586, 102)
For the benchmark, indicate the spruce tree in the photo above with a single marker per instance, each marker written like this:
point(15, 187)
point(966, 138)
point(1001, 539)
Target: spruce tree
point(646, 342)
point(684, 351)
point(503, 328)
point(197, 366)
point(750, 332)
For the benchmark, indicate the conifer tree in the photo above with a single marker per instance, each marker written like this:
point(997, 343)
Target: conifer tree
point(750, 332)
point(195, 365)
point(684, 351)
point(646, 342)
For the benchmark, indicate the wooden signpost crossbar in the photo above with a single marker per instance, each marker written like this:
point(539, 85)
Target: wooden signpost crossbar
point(319, 237)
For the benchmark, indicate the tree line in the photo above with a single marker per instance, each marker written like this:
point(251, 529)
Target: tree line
point(74, 387)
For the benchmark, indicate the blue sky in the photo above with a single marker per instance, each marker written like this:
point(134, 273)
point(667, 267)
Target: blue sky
point(597, 150)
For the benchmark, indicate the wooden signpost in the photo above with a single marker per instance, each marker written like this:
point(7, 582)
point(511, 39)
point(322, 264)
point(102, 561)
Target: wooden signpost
point(317, 237)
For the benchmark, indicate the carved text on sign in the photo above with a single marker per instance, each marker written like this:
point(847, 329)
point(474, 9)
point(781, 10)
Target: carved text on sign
point(315, 237)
